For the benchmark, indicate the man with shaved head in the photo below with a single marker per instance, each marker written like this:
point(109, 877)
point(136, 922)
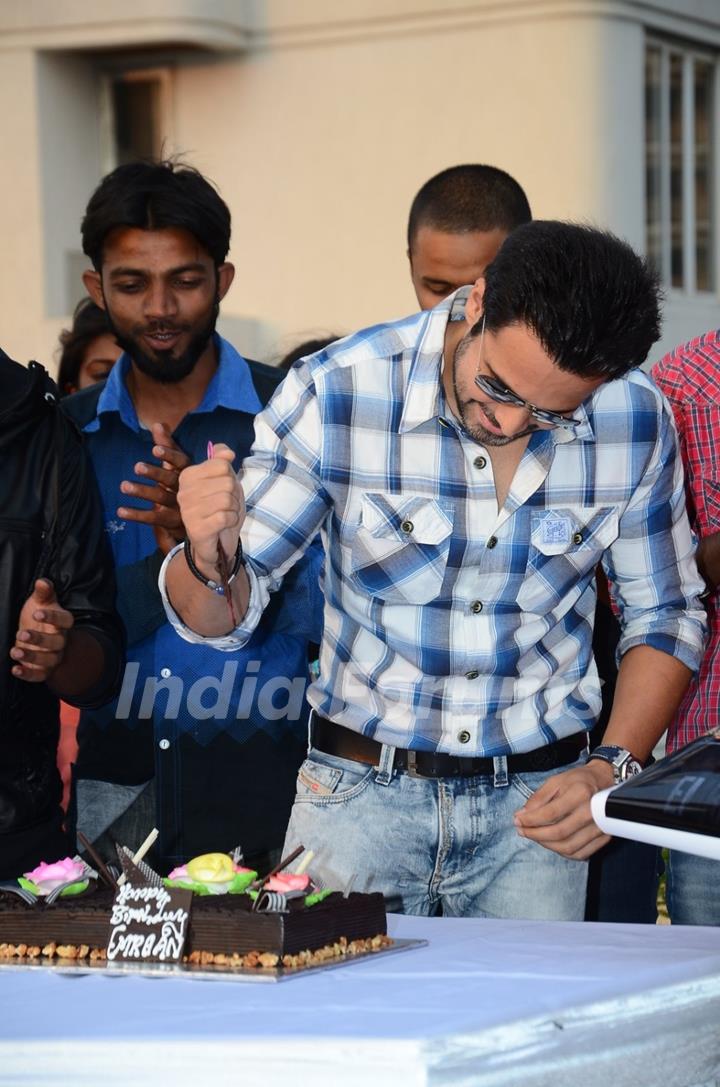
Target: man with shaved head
point(458, 221)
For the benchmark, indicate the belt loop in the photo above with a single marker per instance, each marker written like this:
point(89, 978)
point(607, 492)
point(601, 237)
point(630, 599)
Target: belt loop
point(500, 772)
point(311, 721)
point(385, 766)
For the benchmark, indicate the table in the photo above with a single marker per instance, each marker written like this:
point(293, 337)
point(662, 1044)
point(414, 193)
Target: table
point(487, 1003)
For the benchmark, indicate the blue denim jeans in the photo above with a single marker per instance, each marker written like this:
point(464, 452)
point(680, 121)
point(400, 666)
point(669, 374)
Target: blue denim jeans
point(432, 843)
point(693, 889)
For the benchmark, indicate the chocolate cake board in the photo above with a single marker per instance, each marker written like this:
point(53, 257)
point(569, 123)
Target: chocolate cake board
point(197, 972)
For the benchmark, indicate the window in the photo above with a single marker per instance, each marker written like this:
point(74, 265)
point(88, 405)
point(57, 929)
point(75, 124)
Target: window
point(135, 116)
point(680, 124)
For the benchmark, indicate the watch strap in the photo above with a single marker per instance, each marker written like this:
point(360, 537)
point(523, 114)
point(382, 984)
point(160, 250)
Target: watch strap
point(623, 762)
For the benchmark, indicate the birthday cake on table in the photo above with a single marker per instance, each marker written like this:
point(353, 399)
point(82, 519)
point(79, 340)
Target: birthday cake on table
point(234, 918)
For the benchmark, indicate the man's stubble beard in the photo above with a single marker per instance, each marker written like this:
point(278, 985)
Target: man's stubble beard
point(162, 366)
point(477, 431)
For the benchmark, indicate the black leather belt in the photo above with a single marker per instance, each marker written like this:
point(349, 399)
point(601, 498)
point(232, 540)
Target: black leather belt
point(337, 740)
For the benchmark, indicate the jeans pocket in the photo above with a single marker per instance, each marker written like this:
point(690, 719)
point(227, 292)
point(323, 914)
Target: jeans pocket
point(327, 780)
point(529, 782)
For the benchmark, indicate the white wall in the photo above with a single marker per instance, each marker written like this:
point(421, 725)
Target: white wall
point(319, 150)
point(50, 122)
point(24, 333)
point(69, 157)
point(320, 134)
point(75, 24)
point(319, 144)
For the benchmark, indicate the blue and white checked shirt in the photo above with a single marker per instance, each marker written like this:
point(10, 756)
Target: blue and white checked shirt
point(451, 626)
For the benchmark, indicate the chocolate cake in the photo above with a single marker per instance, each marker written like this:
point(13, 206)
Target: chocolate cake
point(223, 928)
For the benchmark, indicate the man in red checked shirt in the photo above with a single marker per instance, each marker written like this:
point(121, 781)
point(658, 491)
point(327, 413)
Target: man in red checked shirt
point(690, 378)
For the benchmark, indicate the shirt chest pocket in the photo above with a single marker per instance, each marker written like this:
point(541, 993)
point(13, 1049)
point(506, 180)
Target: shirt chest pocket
point(565, 545)
point(711, 494)
point(702, 469)
point(400, 550)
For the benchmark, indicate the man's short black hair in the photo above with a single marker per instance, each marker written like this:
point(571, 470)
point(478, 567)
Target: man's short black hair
point(155, 196)
point(465, 199)
point(592, 302)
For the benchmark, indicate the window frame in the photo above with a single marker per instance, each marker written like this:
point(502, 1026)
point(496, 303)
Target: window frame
point(690, 53)
point(160, 75)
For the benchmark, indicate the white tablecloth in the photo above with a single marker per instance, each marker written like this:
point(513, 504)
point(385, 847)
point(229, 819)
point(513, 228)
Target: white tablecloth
point(485, 1003)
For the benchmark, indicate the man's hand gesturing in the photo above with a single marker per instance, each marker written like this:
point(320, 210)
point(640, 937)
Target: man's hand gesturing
point(42, 635)
point(212, 506)
point(160, 489)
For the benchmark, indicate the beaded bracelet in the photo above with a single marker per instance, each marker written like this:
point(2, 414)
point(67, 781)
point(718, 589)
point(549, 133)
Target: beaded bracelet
point(216, 586)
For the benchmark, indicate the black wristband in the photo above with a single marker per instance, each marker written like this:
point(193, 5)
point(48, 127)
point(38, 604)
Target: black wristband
point(216, 586)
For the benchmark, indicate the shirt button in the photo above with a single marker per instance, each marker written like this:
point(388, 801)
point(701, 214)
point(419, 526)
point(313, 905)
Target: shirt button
point(407, 526)
point(164, 745)
point(463, 737)
point(443, 422)
point(477, 606)
point(492, 540)
point(479, 462)
point(578, 538)
point(165, 673)
point(472, 675)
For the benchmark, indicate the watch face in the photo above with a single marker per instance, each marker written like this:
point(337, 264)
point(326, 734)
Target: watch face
point(630, 768)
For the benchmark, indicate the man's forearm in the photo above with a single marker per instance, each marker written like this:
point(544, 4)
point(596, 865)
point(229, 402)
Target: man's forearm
point(81, 669)
point(708, 559)
point(649, 688)
point(202, 610)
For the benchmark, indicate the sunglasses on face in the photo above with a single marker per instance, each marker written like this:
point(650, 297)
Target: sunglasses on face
point(502, 395)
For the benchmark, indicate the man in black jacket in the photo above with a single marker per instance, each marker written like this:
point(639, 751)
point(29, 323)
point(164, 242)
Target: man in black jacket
point(59, 632)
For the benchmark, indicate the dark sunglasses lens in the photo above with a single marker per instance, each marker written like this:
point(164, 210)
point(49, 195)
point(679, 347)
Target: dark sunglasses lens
point(497, 392)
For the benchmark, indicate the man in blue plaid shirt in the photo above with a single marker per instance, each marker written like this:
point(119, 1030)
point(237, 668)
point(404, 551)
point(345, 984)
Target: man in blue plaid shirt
point(468, 467)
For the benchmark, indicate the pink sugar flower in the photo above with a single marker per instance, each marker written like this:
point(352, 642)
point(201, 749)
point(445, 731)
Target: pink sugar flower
point(179, 873)
point(47, 877)
point(288, 881)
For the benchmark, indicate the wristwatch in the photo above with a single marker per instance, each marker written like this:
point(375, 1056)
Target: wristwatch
point(624, 764)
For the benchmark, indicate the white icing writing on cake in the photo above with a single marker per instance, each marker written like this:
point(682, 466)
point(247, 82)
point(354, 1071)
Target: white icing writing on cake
point(145, 907)
point(136, 945)
point(127, 893)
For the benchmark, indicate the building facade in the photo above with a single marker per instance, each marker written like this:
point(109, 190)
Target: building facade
point(320, 120)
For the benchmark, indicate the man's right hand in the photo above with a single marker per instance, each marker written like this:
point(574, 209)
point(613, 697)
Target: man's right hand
point(212, 506)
